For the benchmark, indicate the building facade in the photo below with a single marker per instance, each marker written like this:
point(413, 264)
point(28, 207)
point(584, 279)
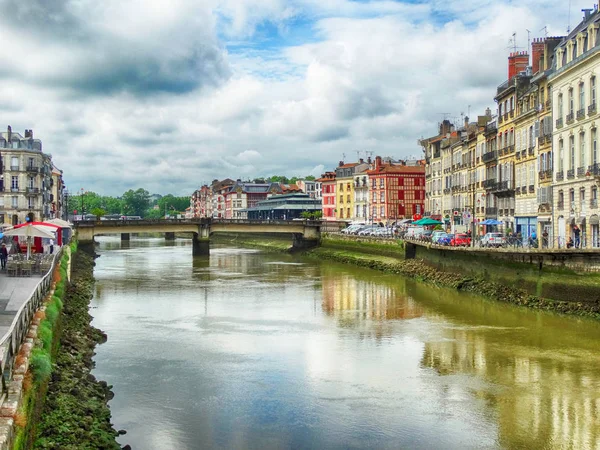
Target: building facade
point(327, 184)
point(574, 84)
point(27, 186)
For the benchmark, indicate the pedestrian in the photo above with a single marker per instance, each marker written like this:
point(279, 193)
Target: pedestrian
point(577, 232)
point(51, 246)
point(545, 238)
point(519, 239)
point(533, 239)
point(3, 256)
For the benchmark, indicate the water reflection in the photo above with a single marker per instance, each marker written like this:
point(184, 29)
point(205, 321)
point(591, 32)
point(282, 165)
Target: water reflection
point(246, 350)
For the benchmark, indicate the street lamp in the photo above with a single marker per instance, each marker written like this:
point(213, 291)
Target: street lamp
point(82, 206)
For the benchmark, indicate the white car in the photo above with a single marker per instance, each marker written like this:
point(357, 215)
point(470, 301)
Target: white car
point(493, 240)
point(414, 232)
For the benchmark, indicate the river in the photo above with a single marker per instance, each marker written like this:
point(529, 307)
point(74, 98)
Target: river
point(247, 350)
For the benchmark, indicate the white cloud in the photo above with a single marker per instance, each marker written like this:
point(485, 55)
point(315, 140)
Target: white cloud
point(145, 94)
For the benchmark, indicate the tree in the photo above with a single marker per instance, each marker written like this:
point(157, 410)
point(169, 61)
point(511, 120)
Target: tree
point(135, 203)
point(98, 212)
point(310, 178)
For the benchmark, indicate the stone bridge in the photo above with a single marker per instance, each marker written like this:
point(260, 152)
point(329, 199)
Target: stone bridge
point(304, 233)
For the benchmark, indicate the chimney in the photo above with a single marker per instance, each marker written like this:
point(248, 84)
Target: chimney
point(587, 13)
point(537, 55)
point(466, 121)
point(377, 162)
point(9, 133)
point(341, 164)
point(488, 112)
point(517, 63)
point(369, 161)
point(361, 161)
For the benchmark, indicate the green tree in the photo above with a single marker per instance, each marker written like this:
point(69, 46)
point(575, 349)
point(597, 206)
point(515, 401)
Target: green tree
point(310, 178)
point(135, 203)
point(98, 212)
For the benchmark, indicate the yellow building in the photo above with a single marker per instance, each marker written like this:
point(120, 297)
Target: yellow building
point(503, 185)
point(345, 184)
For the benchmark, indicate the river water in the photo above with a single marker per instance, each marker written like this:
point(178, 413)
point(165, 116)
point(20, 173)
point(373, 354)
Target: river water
point(246, 350)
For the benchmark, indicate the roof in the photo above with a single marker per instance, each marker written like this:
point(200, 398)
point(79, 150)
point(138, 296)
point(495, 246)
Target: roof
point(388, 169)
point(346, 166)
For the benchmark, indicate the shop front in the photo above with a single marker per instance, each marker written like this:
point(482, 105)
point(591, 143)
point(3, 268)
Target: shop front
point(526, 226)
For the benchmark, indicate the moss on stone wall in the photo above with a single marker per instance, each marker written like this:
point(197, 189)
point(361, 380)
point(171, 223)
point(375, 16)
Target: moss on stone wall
point(76, 413)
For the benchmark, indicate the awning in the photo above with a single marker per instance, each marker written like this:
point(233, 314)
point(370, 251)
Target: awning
point(594, 220)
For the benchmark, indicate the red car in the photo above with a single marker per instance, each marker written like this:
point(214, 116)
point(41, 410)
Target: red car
point(460, 240)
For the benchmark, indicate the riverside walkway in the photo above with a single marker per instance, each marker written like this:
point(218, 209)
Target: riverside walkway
point(14, 292)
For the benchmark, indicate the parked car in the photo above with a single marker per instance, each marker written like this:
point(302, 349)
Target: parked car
point(493, 240)
point(351, 229)
point(414, 232)
point(366, 230)
point(436, 235)
point(460, 240)
point(445, 239)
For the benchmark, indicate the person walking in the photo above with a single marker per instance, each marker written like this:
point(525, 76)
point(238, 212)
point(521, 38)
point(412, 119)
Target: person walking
point(51, 246)
point(577, 232)
point(545, 238)
point(3, 256)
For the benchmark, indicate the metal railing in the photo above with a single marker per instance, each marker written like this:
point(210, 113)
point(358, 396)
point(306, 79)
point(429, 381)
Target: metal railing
point(570, 174)
point(592, 109)
point(559, 123)
point(560, 175)
point(489, 156)
point(581, 172)
point(581, 114)
point(16, 334)
point(570, 117)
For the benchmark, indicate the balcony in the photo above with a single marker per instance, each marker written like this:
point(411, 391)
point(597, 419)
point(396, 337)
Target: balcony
point(545, 174)
point(560, 176)
point(560, 205)
point(14, 168)
point(490, 127)
point(580, 172)
point(490, 156)
point(32, 169)
point(518, 191)
point(490, 184)
point(594, 203)
point(32, 191)
point(559, 123)
point(570, 118)
point(594, 169)
point(509, 149)
point(530, 151)
point(592, 109)
point(548, 104)
point(518, 155)
point(500, 119)
point(504, 186)
point(570, 174)
point(505, 117)
point(531, 188)
point(491, 212)
point(447, 191)
point(581, 114)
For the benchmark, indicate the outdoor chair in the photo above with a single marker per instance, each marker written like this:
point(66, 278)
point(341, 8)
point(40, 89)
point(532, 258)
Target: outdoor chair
point(26, 268)
point(12, 268)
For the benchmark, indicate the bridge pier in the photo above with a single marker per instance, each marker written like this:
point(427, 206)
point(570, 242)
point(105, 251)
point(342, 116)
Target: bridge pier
point(300, 242)
point(410, 250)
point(125, 237)
point(169, 236)
point(200, 245)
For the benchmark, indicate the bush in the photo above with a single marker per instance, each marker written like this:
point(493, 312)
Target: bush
point(40, 365)
point(45, 333)
point(52, 313)
point(58, 302)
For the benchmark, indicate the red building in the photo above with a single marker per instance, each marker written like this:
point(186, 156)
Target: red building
point(327, 181)
point(397, 191)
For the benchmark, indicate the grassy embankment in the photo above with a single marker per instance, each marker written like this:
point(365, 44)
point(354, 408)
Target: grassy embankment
point(64, 406)
point(523, 289)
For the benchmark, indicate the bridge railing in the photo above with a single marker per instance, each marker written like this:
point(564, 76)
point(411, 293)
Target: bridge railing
point(118, 222)
point(266, 222)
point(15, 336)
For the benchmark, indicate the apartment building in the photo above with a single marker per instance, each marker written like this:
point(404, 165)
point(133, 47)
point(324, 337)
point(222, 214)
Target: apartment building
point(27, 185)
point(361, 196)
point(397, 191)
point(574, 83)
point(327, 184)
point(433, 169)
point(344, 180)
point(241, 196)
point(309, 187)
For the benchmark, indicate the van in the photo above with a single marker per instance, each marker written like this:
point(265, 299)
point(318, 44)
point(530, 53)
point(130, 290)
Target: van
point(414, 232)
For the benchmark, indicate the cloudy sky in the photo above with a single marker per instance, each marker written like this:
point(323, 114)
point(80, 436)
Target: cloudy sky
point(169, 94)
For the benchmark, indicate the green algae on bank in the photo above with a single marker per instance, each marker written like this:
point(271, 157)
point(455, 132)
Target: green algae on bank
point(76, 414)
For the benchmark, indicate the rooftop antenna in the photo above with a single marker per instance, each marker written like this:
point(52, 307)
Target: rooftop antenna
point(344, 157)
point(528, 38)
point(358, 155)
point(569, 24)
point(545, 30)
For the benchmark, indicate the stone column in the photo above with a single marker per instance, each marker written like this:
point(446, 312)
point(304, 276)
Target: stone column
point(200, 245)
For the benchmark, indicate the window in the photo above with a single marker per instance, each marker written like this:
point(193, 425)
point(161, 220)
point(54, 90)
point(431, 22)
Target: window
point(581, 95)
point(560, 155)
point(382, 197)
point(572, 152)
point(382, 210)
point(14, 163)
point(594, 147)
point(374, 213)
point(381, 183)
point(15, 202)
point(560, 105)
point(14, 182)
point(31, 203)
point(31, 182)
point(582, 150)
point(571, 102)
point(593, 91)
point(374, 197)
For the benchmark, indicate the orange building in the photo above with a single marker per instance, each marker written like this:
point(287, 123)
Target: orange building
point(397, 191)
